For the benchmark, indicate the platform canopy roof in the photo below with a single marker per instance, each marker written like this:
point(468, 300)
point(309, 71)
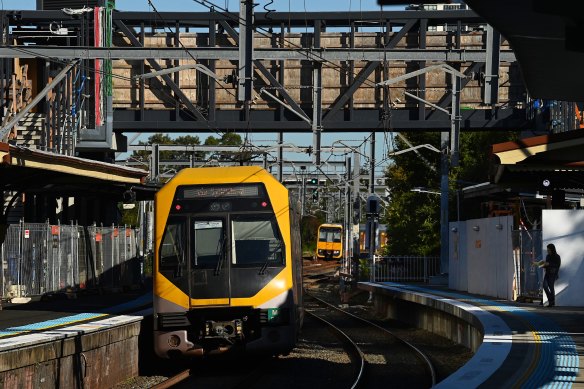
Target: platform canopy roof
point(23, 169)
point(546, 37)
point(544, 162)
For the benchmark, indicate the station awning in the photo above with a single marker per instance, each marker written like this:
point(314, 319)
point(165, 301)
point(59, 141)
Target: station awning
point(34, 171)
point(546, 37)
point(553, 161)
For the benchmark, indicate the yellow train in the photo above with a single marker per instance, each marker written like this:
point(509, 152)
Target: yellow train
point(330, 241)
point(228, 264)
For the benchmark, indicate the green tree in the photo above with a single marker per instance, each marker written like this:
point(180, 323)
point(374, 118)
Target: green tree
point(413, 218)
point(475, 155)
point(228, 139)
point(168, 155)
point(308, 231)
point(188, 140)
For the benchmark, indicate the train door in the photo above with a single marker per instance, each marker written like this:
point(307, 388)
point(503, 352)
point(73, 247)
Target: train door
point(209, 265)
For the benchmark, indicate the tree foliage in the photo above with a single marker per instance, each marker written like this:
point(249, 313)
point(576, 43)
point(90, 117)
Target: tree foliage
point(308, 231)
point(227, 139)
point(413, 218)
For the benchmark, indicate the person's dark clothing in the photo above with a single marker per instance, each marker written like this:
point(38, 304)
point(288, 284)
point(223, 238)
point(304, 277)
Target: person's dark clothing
point(551, 275)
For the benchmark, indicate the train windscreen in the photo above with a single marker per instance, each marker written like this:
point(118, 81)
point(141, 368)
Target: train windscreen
point(330, 235)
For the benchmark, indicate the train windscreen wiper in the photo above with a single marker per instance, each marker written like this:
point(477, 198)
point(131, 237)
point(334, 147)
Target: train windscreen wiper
point(277, 249)
point(220, 259)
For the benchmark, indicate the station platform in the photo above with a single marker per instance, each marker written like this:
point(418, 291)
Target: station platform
point(86, 339)
point(516, 345)
point(45, 312)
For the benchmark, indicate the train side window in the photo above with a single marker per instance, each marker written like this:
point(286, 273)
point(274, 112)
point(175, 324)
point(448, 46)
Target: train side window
point(209, 243)
point(256, 242)
point(172, 260)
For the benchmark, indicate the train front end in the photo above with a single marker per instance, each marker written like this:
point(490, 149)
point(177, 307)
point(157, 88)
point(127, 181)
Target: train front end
point(225, 274)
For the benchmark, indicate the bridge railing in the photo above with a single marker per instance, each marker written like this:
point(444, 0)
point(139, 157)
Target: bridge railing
point(404, 268)
point(39, 258)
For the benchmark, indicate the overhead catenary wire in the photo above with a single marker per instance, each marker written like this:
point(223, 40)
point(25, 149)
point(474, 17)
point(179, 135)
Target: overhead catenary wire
point(266, 33)
point(117, 76)
point(213, 7)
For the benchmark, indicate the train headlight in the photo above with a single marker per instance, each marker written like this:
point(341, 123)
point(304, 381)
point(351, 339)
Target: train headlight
point(336, 252)
point(173, 341)
point(321, 252)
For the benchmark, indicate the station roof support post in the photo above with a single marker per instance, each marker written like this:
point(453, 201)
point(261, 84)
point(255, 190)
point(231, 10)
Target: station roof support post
point(448, 147)
point(316, 98)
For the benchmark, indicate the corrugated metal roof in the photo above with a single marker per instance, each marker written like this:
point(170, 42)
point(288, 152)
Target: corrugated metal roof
point(24, 157)
point(34, 171)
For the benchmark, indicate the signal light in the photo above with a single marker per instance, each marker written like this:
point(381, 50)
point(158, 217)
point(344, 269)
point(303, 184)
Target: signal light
point(313, 181)
point(373, 205)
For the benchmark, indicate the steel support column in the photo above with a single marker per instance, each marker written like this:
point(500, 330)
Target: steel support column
point(491, 96)
point(245, 67)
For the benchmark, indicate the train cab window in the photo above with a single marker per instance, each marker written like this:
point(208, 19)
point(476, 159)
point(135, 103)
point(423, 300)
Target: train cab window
point(172, 262)
point(330, 235)
point(256, 242)
point(208, 243)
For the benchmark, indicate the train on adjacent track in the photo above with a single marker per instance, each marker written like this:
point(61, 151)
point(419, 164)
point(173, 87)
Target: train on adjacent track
point(329, 244)
point(228, 264)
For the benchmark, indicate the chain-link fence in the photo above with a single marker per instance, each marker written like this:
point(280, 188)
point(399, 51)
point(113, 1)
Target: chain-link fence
point(404, 268)
point(527, 247)
point(39, 258)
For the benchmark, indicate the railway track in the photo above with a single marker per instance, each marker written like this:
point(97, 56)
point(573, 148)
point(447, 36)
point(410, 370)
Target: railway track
point(387, 358)
point(319, 271)
point(174, 380)
point(323, 358)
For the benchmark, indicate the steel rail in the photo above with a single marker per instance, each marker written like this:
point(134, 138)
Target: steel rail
point(357, 353)
point(175, 379)
point(417, 350)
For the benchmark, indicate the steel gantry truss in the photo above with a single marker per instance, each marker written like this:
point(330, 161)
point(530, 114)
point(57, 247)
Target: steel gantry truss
point(300, 81)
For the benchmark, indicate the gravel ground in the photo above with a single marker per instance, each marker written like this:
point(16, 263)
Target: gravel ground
point(446, 356)
point(319, 361)
point(140, 382)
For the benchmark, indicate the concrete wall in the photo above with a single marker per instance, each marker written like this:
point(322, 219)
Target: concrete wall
point(481, 259)
point(432, 314)
point(100, 359)
point(565, 229)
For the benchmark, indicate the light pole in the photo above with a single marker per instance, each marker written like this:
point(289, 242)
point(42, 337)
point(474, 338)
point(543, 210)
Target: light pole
point(448, 146)
point(303, 190)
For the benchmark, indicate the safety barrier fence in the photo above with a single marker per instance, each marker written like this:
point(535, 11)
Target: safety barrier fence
point(527, 248)
point(404, 268)
point(39, 258)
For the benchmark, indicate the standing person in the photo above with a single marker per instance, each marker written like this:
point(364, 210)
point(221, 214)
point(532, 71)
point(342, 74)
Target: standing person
point(552, 267)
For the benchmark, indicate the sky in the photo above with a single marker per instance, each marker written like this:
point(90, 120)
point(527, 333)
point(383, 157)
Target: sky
point(231, 5)
point(383, 141)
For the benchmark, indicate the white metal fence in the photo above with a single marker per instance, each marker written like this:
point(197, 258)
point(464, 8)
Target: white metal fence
point(404, 268)
point(37, 258)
